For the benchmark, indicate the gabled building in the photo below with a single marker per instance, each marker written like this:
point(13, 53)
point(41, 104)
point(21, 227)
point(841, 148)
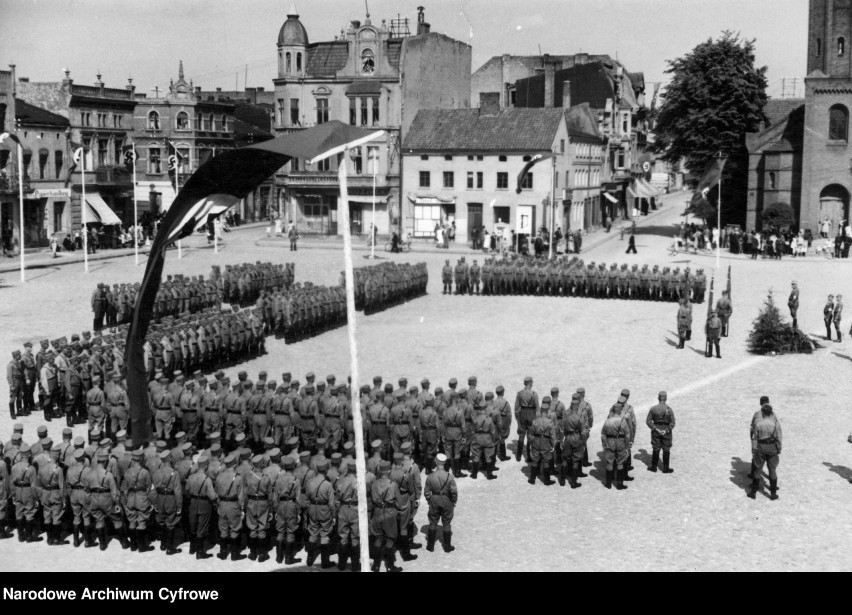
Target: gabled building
point(462, 166)
point(371, 75)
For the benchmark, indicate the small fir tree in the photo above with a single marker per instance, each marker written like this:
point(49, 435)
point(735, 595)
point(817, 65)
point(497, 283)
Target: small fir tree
point(771, 335)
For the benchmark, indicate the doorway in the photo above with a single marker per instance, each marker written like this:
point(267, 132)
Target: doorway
point(474, 219)
point(356, 218)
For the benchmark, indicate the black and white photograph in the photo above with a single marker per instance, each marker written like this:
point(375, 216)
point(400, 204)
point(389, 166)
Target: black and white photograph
point(441, 286)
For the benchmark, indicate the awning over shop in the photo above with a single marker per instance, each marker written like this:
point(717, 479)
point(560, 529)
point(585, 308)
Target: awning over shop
point(609, 197)
point(431, 200)
point(362, 198)
point(99, 211)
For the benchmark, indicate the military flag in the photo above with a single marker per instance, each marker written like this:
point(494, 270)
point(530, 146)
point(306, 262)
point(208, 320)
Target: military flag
point(78, 157)
point(175, 159)
point(522, 176)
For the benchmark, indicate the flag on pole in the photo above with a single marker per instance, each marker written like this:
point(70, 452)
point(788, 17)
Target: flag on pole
point(522, 176)
point(77, 157)
point(10, 136)
point(175, 159)
point(128, 153)
point(712, 175)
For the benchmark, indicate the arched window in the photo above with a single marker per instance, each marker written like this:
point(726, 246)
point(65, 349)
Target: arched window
point(368, 65)
point(772, 180)
point(224, 123)
point(841, 46)
point(298, 62)
point(153, 120)
point(182, 121)
point(838, 123)
point(288, 62)
point(819, 47)
point(208, 122)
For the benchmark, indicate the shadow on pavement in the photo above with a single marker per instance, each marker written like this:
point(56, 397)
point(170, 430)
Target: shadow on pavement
point(841, 471)
point(739, 473)
point(644, 456)
point(667, 230)
point(670, 342)
point(841, 355)
point(598, 469)
point(696, 351)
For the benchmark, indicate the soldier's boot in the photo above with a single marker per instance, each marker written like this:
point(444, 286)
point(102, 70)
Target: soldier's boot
point(312, 550)
point(474, 469)
point(586, 462)
point(252, 545)
point(122, 537)
point(172, 546)
point(655, 460)
point(134, 540)
point(533, 472)
point(69, 419)
point(378, 556)
point(680, 342)
point(12, 410)
point(236, 551)
point(561, 476)
point(262, 549)
point(544, 472)
point(755, 485)
point(447, 542)
point(280, 549)
point(193, 545)
point(412, 536)
point(666, 467)
point(527, 451)
point(325, 556)
point(22, 532)
point(390, 560)
point(619, 479)
point(89, 531)
point(343, 552)
point(405, 549)
point(144, 541)
point(576, 471)
point(608, 483)
point(290, 554)
point(223, 549)
point(752, 473)
point(503, 455)
point(201, 549)
point(33, 535)
point(624, 474)
point(103, 539)
point(773, 489)
point(355, 558)
point(431, 535)
point(490, 469)
point(519, 450)
point(4, 531)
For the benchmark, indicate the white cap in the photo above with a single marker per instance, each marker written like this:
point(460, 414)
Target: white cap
point(442, 458)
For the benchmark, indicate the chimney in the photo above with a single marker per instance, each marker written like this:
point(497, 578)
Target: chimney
point(566, 94)
point(197, 90)
point(489, 103)
point(549, 76)
point(67, 80)
point(356, 24)
point(130, 87)
point(422, 26)
point(23, 79)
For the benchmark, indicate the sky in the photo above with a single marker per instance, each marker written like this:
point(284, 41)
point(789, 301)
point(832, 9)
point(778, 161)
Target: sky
point(220, 41)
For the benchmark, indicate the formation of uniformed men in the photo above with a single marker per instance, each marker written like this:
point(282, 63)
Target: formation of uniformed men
point(179, 294)
point(302, 311)
point(387, 284)
point(569, 276)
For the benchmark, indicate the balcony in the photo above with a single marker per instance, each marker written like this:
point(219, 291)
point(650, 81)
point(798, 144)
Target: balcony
point(329, 178)
point(11, 184)
point(112, 175)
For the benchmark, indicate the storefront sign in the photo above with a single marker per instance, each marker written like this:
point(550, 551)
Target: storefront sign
point(47, 193)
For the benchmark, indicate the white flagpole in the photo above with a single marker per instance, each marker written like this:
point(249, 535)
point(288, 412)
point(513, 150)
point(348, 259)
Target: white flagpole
point(373, 230)
point(355, 394)
point(216, 236)
point(135, 212)
point(83, 207)
point(21, 198)
point(552, 204)
point(177, 188)
point(719, 217)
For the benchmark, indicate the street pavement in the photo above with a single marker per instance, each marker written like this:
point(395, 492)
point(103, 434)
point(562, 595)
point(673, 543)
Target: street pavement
point(697, 518)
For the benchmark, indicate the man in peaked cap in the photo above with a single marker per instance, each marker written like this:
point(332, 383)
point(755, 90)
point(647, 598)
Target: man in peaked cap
point(661, 422)
point(526, 407)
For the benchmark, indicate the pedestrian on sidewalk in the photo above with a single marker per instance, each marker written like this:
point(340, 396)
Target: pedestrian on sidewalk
point(838, 312)
point(54, 244)
point(293, 234)
point(828, 316)
point(631, 244)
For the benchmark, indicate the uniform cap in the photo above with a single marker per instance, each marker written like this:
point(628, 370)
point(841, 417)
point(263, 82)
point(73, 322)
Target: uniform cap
point(219, 375)
point(231, 459)
point(245, 453)
point(309, 376)
point(274, 453)
point(186, 446)
point(289, 463)
point(309, 388)
point(105, 443)
point(581, 391)
point(351, 464)
point(377, 379)
point(177, 374)
point(240, 437)
point(56, 448)
point(294, 441)
point(399, 394)
point(163, 455)
point(161, 444)
point(214, 436)
point(388, 387)
point(202, 461)
point(268, 440)
point(336, 457)
point(576, 397)
point(41, 430)
point(79, 454)
point(766, 408)
point(405, 447)
point(376, 444)
point(18, 428)
point(424, 382)
point(28, 344)
point(103, 455)
point(121, 435)
point(442, 458)
point(78, 441)
point(764, 399)
point(180, 434)
point(471, 380)
point(137, 454)
point(67, 431)
point(215, 448)
point(453, 382)
point(489, 396)
point(625, 392)
point(545, 400)
point(622, 399)
point(242, 374)
point(257, 460)
point(384, 466)
point(305, 455)
point(528, 380)
point(348, 446)
point(662, 394)
point(554, 391)
point(321, 441)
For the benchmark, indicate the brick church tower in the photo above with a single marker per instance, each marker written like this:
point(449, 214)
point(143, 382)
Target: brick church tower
point(827, 168)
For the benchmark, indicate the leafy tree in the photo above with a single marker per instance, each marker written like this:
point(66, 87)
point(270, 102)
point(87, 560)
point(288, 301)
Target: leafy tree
point(715, 97)
point(779, 215)
point(771, 335)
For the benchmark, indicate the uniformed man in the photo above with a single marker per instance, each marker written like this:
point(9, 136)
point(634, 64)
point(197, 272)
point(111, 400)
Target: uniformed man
point(258, 492)
point(105, 501)
point(15, 380)
point(286, 493)
point(661, 422)
point(49, 392)
point(346, 492)
point(483, 443)
point(615, 439)
point(502, 407)
point(684, 322)
point(408, 490)
point(384, 495)
point(441, 494)
point(164, 410)
point(51, 486)
point(713, 330)
point(229, 490)
point(575, 434)
point(23, 479)
point(136, 491)
point(5, 495)
point(168, 502)
point(474, 277)
point(28, 364)
point(78, 498)
point(321, 516)
point(453, 435)
point(766, 434)
point(724, 309)
point(526, 408)
point(541, 444)
point(118, 404)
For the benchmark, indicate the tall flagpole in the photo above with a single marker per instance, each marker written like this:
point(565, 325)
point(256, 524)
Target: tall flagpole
point(719, 217)
point(135, 212)
point(21, 198)
point(355, 393)
point(177, 187)
point(552, 204)
point(373, 230)
point(83, 207)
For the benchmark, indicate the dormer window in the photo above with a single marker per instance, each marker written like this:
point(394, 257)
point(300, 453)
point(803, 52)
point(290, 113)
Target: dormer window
point(368, 65)
point(841, 46)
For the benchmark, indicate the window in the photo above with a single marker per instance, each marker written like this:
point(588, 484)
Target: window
point(479, 180)
point(282, 112)
point(28, 156)
point(424, 157)
point(819, 47)
point(368, 65)
point(102, 120)
point(358, 161)
point(85, 119)
point(502, 181)
point(480, 158)
point(625, 123)
point(449, 179)
point(208, 122)
point(294, 164)
point(116, 149)
point(426, 217)
point(772, 180)
point(182, 121)
point(448, 157)
point(153, 120)
point(325, 164)
point(298, 62)
point(620, 162)
point(501, 214)
point(567, 179)
point(322, 110)
point(43, 155)
point(470, 180)
point(103, 151)
point(116, 121)
point(224, 123)
point(561, 146)
point(527, 184)
point(294, 112)
point(425, 179)
point(353, 110)
point(58, 158)
point(154, 160)
point(841, 46)
point(364, 112)
point(288, 62)
point(372, 160)
point(470, 158)
point(527, 158)
point(375, 111)
point(58, 211)
point(838, 123)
